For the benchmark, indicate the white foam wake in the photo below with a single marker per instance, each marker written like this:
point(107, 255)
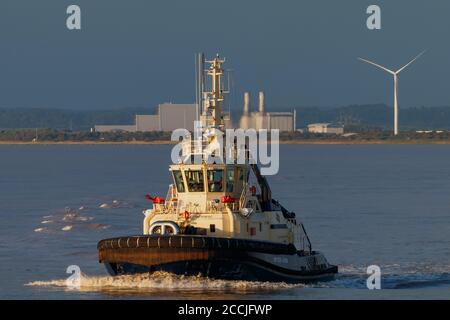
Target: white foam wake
point(162, 280)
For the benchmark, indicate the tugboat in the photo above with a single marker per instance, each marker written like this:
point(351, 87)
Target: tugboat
point(218, 220)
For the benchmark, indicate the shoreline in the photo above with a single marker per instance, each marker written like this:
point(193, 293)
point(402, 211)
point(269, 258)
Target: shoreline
point(288, 142)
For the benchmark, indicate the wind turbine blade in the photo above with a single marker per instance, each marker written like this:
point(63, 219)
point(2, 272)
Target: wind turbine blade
point(377, 65)
point(417, 57)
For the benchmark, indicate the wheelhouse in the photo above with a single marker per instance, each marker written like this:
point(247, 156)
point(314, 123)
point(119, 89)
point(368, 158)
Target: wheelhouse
point(211, 179)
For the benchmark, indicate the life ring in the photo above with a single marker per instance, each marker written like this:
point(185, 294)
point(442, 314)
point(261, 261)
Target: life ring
point(253, 190)
point(186, 215)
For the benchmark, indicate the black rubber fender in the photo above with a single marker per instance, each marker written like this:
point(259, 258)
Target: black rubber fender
point(198, 242)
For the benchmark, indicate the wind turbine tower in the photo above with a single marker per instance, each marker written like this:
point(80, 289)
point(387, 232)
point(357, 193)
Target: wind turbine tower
point(395, 76)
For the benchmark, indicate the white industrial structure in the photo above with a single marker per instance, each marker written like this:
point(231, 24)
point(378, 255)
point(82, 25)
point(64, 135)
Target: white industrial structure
point(115, 128)
point(395, 75)
point(283, 121)
point(170, 116)
point(326, 128)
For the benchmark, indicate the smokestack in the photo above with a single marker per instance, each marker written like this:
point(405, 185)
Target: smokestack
point(246, 103)
point(261, 101)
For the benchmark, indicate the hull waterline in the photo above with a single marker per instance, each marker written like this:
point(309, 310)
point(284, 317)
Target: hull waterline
point(220, 258)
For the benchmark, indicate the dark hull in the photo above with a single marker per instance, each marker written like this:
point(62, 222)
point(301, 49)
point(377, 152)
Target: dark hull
point(227, 270)
point(210, 257)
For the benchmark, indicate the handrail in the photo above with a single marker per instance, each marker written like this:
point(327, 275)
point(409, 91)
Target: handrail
point(243, 196)
point(307, 238)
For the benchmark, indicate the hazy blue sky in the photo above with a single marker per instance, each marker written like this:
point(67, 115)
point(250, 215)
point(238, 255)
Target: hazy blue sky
point(138, 53)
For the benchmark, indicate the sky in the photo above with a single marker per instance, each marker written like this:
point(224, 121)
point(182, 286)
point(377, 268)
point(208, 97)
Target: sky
point(138, 53)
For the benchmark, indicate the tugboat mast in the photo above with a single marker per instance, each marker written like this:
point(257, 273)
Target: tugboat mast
point(212, 113)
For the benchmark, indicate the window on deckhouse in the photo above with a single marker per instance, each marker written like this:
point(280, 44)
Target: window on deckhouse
point(195, 181)
point(178, 178)
point(215, 180)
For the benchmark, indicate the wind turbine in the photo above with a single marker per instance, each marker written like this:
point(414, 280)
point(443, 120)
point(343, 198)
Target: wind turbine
point(395, 75)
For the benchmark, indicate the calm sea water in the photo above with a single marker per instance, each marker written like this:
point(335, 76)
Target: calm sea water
point(361, 205)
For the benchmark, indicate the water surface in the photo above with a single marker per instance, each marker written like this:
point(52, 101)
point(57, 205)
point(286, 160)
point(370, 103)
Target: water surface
point(387, 205)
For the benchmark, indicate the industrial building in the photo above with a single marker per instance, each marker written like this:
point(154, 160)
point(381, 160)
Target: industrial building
point(170, 116)
point(326, 128)
point(113, 128)
point(283, 121)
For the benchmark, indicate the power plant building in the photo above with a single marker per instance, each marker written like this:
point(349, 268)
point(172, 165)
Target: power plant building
point(326, 128)
point(283, 121)
point(115, 128)
point(175, 116)
point(170, 116)
point(146, 122)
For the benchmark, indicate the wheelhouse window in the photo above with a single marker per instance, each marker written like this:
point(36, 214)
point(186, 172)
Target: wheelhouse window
point(195, 180)
point(215, 180)
point(242, 176)
point(230, 180)
point(178, 178)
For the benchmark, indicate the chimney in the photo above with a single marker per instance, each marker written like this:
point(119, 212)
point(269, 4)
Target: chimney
point(261, 101)
point(246, 103)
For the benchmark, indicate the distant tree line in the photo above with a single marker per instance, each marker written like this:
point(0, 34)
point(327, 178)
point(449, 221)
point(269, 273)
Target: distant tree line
point(359, 118)
point(66, 119)
point(55, 135)
point(376, 117)
point(369, 135)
